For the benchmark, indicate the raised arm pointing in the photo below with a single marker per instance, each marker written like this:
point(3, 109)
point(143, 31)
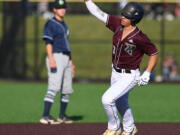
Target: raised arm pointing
point(96, 11)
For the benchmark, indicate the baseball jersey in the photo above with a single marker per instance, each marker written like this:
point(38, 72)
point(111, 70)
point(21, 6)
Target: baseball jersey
point(128, 53)
point(56, 32)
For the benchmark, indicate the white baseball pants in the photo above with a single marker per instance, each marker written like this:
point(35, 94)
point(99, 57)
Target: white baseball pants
point(116, 97)
point(62, 79)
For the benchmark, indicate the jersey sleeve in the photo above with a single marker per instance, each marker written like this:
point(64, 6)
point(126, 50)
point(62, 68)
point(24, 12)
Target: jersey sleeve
point(96, 11)
point(147, 46)
point(113, 22)
point(48, 32)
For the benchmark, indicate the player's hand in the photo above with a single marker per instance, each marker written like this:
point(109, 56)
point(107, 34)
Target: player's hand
point(73, 68)
point(52, 63)
point(85, 0)
point(144, 79)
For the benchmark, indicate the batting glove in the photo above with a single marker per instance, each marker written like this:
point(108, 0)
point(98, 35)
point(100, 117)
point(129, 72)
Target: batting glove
point(144, 79)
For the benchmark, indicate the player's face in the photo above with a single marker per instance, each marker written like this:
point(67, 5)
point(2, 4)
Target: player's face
point(60, 12)
point(125, 22)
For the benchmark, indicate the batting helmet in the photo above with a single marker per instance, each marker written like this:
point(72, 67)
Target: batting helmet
point(133, 11)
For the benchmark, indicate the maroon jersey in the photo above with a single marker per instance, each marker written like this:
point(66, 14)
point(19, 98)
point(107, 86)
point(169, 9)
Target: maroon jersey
point(128, 53)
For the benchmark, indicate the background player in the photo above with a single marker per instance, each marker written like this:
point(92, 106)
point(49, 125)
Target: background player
point(59, 64)
point(129, 46)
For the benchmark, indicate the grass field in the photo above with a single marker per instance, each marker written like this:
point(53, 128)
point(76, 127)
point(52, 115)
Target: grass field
point(23, 102)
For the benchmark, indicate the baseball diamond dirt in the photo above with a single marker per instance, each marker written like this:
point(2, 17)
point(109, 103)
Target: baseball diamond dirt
point(85, 129)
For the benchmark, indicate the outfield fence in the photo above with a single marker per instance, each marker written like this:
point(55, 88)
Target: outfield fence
point(22, 52)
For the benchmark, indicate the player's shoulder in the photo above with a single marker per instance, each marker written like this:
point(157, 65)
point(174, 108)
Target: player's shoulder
point(113, 18)
point(113, 22)
point(50, 22)
point(141, 36)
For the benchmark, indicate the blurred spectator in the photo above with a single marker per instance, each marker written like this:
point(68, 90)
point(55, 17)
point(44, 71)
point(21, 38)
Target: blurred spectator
point(170, 67)
point(148, 12)
point(177, 10)
point(42, 6)
point(43, 9)
point(156, 11)
point(168, 12)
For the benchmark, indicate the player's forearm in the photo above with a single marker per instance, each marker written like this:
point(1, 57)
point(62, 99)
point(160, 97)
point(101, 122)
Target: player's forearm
point(94, 10)
point(49, 51)
point(152, 62)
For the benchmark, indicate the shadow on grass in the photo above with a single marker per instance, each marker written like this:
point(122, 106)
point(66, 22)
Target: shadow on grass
point(76, 118)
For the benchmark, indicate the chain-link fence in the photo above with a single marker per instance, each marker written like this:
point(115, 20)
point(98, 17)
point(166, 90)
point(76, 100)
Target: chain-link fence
point(22, 51)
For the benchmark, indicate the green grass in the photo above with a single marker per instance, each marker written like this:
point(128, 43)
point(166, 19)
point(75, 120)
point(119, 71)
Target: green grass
point(23, 102)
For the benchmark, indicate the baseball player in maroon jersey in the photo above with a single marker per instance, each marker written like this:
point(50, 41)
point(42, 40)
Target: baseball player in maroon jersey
point(129, 46)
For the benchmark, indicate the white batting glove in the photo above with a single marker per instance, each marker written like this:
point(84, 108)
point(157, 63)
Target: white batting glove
point(144, 79)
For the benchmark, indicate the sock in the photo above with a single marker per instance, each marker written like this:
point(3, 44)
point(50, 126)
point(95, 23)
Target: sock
point(63, 108)
point(47, 107)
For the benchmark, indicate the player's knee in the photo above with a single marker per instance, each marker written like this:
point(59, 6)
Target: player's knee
point(106, 100)
point(53, 84)
point(50, 95)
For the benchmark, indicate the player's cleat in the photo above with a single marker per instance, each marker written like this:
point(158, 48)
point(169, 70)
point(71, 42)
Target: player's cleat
point(65, 119)
point(49, 120)
point(132, 133)
point(112, 132)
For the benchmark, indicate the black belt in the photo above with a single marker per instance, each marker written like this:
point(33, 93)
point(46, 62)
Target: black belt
point(65, 53)
point(122, 70)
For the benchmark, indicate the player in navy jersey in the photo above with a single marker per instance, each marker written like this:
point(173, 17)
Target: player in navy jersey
point(59, 64)
point(128, 47)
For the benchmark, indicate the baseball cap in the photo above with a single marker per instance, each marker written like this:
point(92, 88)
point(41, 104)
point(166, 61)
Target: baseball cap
point(59, 4)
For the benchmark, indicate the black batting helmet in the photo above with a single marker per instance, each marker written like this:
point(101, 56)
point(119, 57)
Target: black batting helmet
point(133, 11)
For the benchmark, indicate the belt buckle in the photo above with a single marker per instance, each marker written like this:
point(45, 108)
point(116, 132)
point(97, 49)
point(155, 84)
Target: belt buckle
point(123, 70)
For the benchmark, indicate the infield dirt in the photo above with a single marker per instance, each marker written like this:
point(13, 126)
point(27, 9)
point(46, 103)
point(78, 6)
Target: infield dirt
point(85, 129)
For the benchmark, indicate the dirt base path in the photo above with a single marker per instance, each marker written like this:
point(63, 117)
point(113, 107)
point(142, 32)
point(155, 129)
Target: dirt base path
point(85, 129)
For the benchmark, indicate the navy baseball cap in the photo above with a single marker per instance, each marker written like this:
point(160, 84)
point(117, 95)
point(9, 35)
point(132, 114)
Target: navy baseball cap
point(59, 4)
